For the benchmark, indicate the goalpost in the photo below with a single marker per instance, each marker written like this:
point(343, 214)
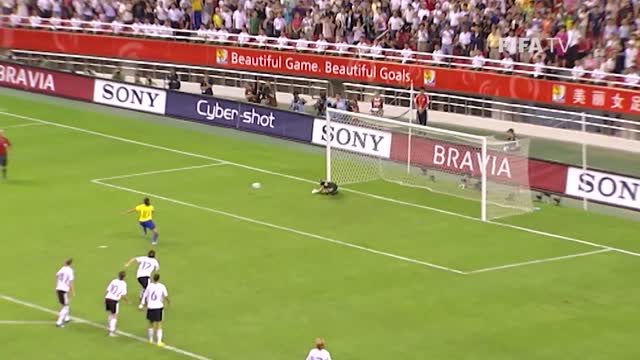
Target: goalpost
point(365, 148)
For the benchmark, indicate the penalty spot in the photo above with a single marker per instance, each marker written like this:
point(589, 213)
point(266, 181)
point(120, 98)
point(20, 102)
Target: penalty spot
point(102, 247)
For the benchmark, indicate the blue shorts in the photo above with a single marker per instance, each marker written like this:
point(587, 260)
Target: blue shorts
point(148, 224)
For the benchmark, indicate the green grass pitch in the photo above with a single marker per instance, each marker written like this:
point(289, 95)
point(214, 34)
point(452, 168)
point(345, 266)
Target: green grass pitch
point(260, 273)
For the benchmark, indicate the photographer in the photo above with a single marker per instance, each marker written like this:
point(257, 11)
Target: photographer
point(206, 85)
point(173, 80)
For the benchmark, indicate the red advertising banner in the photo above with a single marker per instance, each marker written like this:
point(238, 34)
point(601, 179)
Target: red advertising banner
point(483, 83)
point(466, 160)
point(46, 82)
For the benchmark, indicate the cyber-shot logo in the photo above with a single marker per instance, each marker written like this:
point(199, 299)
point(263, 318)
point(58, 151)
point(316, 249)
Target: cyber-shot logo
point(214, 111)
point(221, 56)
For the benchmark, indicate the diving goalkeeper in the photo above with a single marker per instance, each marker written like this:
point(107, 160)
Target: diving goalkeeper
point(326, 188)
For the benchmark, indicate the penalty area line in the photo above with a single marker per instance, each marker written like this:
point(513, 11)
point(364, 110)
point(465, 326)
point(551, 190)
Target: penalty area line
point(282, 228)
point(99, 326)
point(539, 261)
point(127, 176)
point(21, 125)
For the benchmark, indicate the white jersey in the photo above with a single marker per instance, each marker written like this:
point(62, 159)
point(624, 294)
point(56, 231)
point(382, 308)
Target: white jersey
point(116, 289)
point(147, 265)
point(64, 278)
point(316, 354)
point(154, 296)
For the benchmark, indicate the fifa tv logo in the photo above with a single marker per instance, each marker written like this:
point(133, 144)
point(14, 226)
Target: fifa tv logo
point(519, 45)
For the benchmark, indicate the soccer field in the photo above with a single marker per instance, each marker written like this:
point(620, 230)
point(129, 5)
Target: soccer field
point(381, 271)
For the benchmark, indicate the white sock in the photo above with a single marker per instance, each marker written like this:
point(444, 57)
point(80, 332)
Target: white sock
point(109, 317)
point(112, 324)
point(159, 335)
point(64, 312)
point(67, 315)
point(150, 334)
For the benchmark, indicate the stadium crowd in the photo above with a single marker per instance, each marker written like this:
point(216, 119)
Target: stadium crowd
point(593, 40)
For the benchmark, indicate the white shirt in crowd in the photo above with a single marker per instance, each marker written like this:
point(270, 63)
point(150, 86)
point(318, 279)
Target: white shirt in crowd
point(55, 21)
point(465, 38)
point(478, 61)
point(146, 266)
point(45, 5)
point(243, 37)
point(437, 56)
point(577, 72)
point(407, 54)
point(76, 22)
point(154, 296)
point(507, 63)
point(117, 289)
point(538, 69)
point(632, 78)
point(64, 278)
point(283, 41)
point(175, 14)
point(316, 354)
point(261, 40)
point(302, 44)
point(223, 35)
point(342, 47)
point(321, 45)
point(239, 19)
point(396, 23)
point(35, 21)
point(279, 23)
point(447, 37)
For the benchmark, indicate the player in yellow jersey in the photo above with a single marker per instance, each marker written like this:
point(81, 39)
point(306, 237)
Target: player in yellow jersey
point(145, 218)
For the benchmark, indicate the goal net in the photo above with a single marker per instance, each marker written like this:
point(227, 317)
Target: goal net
point(366, 148)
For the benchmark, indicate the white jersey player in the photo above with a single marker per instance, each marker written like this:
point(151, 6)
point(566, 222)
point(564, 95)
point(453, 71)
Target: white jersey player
point(147, 265)
point(319, 352)
point(116, 290)
point(64, 289)
point(155, 296)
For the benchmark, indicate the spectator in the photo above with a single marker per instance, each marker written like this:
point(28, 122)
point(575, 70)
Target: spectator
point(150, 82)
point(250, 94)
point(174, 81)
point(478, 61)
point(137, 79)
point(493, 44)
point(507, 64)
point(117, 75)
point(321, 105)
point(577, 72)
point(340, 103)
point(206, 85)
point(297, 103)
point(632, 78)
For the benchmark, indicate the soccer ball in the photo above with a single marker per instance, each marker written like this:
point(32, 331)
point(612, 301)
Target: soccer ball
point(256, 185)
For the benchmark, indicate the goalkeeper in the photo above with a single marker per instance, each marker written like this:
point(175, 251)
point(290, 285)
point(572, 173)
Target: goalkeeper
point(326, 188)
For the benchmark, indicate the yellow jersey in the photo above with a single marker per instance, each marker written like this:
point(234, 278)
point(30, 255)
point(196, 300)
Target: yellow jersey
point(145, 213)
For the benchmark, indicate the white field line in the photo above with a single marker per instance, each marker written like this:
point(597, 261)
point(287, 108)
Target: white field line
point(100, 326)
point(26, 322)
point(21, 125)
point(161, 171)
point(540, 261)
point(130, 141)
point(278, 227)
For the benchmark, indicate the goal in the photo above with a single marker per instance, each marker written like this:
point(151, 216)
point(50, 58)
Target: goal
point(492, 174)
